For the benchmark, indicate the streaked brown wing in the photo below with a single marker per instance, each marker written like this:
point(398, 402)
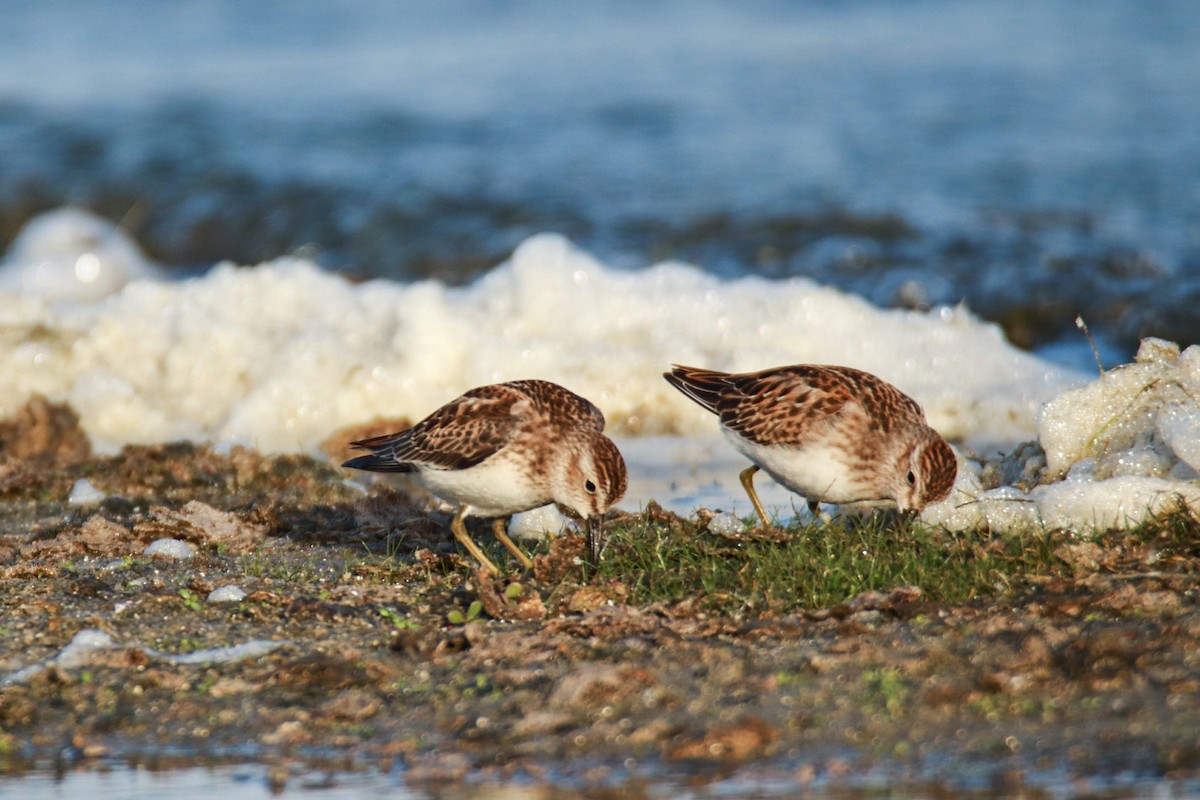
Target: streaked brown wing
point(782, 406)
point(554, 401)
point(458, 435)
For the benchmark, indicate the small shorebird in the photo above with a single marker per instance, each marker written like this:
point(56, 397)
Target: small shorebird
point(831, 434)
point(505, 448)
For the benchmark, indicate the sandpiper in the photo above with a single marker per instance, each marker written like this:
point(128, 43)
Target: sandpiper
point(505, 448)
point(830, 434)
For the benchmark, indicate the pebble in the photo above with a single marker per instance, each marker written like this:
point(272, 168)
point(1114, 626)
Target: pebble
point(84, 493)
point(539, 523)
point(227, 594)
point(724, 523)
point(170, 548)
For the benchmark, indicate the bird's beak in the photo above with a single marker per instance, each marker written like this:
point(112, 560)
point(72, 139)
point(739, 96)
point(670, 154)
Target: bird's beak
point(596, 542)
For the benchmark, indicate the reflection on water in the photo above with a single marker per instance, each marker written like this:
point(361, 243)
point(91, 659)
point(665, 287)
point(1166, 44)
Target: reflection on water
point(228, 783)
point(117, 782)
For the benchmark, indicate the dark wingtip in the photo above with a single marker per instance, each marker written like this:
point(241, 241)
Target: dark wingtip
point(676, 376)
point(374, 463)
point(696, 384)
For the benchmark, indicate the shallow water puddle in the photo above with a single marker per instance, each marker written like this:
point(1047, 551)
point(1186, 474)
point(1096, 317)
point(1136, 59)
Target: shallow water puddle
point(253, 782)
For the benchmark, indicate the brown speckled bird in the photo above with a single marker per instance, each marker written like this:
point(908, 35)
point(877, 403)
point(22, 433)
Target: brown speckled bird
point(831, 434)
point(505, 448)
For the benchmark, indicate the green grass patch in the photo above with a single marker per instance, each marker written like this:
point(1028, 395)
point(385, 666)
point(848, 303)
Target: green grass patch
point(818, 565)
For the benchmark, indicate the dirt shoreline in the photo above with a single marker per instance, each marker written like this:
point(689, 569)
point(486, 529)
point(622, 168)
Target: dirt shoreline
point(1089, 677)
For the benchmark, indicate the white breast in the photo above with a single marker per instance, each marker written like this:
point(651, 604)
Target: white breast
point(815, 471)
point(493, 488)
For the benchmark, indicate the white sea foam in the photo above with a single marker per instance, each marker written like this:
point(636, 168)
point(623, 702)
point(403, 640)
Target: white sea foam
point(284, 354)
point(1117, 450)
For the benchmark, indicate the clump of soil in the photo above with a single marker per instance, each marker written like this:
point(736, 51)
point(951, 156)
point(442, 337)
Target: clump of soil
point(342, 645)
point(42, 430)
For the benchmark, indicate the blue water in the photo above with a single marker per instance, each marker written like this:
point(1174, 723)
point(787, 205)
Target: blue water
point(1033, 159)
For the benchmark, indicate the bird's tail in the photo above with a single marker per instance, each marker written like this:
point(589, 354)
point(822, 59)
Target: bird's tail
point(704, 386)
point(382, 457)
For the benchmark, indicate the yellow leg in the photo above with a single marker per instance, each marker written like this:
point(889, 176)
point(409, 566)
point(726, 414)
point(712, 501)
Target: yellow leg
point(460, 532)
point(747, 479)
point(502, 535)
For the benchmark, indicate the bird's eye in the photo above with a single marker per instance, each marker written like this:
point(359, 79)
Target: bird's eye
point(591, 487)
point(912, 478)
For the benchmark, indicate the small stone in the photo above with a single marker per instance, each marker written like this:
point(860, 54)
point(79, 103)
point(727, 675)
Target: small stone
point(83, 493)
point(539, 523)
point(170, 548)
point(724, 523)
point(227, 594)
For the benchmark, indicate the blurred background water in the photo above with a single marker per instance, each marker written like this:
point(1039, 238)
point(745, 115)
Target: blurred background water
point(1033, 159)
